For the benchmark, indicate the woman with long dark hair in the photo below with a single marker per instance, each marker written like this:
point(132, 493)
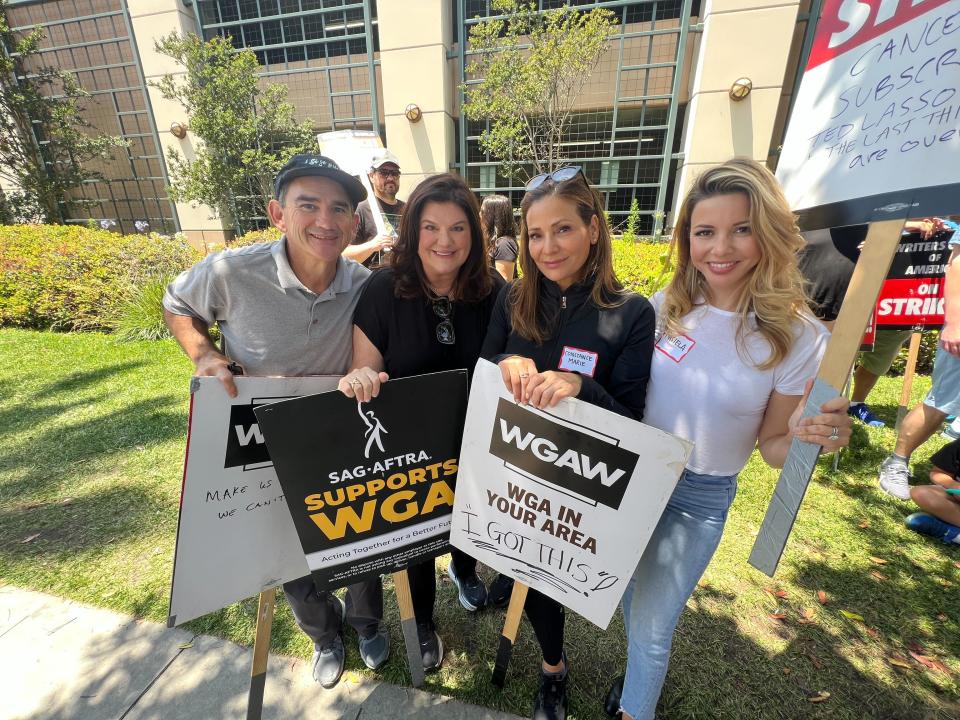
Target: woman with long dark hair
point(568, 302)
point(496, 212)
point(426, 313)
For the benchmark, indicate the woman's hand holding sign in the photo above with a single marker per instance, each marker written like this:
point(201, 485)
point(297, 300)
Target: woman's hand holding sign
point(516, 372)
point(362, 383)
point(540, 389)
point(549, 388)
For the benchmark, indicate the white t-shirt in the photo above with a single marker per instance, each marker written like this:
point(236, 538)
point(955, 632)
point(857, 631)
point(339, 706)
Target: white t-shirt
point(707, 390)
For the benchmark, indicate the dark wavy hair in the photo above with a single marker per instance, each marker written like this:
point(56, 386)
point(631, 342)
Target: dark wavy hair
point(473, 282)
point(496, 213)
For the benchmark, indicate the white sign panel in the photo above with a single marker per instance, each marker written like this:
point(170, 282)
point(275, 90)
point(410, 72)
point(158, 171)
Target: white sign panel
point(564, 501)
point(875, 126)
point(236, 537)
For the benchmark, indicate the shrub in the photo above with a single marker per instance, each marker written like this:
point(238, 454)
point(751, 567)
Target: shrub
point(141, 316)
point(633, 222)
point(928, 351)
point(270, 234)
point(641, 266)
point(76, 278)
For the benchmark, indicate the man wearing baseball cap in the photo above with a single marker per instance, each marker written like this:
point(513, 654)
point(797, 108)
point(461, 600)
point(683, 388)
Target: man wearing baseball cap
point(286, 309)
point(368, 247)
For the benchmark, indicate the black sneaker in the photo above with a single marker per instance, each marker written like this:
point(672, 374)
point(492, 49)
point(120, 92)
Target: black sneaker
point(500, 590)
point(471, 590)
point(611, 705)
point(550, 702)
point(431, 646)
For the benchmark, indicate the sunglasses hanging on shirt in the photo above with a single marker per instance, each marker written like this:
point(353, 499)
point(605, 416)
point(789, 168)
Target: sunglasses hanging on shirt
point(443, 309)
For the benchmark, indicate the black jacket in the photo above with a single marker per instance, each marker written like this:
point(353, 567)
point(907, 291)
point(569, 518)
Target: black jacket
point(621, 336)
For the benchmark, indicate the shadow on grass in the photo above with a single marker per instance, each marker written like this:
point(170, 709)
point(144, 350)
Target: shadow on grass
point(36, 407)
point(711, 652)
point(76, 525)
point(43, 452)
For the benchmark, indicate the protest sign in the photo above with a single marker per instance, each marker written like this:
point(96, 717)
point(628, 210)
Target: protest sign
point(563, 500)
point(353, 151)
point(874, 131)
point(235, 537)
point(370, 486)
point(912, 295)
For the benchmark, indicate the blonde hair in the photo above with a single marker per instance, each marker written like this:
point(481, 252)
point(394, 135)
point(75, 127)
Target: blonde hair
point(526, 315)
point(774, 290)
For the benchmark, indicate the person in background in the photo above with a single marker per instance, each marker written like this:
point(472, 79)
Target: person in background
point(368, 247)
point(941, 499)
point(568, 304)
point(426, 313)
point(736, 351)
point(496, 212)
point(827, 263)
point(943, 399)
point(284, 308)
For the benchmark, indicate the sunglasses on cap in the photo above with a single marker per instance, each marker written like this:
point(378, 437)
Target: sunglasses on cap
point(558, 176)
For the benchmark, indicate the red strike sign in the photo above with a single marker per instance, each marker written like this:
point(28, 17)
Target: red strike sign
point(847, 24)
point(917, 302)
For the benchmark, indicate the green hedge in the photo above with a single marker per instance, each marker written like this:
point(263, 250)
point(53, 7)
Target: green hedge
point(641, 266)
point(255, 236)
point(75, 278)
point(928, 351)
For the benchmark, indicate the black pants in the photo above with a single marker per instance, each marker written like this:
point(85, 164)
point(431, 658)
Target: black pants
point(316, 614)
point(547, 618)
point(423, 582)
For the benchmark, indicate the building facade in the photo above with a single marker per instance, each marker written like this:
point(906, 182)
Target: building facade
point(657, 109)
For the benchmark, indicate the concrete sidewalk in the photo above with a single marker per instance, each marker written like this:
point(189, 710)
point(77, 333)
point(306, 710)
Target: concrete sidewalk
point(61, 660)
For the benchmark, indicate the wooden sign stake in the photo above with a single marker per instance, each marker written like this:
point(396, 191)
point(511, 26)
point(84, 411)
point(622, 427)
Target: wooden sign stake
point(868, 277)
point(408, 624)
point(261, 649)
point(511, 624)
point(908, 373)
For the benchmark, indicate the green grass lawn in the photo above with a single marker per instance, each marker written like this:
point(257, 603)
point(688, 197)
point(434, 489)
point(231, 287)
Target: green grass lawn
point(91, 447)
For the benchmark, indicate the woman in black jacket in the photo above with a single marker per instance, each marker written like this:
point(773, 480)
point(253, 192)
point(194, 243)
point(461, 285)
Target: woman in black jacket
point(567, 328)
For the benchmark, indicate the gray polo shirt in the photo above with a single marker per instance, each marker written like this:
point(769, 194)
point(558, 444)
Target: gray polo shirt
point(270, 322)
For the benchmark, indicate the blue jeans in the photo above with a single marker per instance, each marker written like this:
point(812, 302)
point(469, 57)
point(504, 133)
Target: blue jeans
point(679, 551)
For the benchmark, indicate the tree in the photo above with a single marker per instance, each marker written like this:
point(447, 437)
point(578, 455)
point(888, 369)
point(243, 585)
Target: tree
point(248, 133)
point(45, 145)
point(533, 67)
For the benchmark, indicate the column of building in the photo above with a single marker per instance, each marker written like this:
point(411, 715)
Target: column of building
point(750, 39)
point(151, 20)
point(415, 38)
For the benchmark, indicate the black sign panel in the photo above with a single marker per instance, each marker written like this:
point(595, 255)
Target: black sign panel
point(562, 456)
point(245, 445)
point(370, 486)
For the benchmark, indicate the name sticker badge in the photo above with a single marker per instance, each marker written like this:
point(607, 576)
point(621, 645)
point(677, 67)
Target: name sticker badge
point(577, 360)
point(675, 348)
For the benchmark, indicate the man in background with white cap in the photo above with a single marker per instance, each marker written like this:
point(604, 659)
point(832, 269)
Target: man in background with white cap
point(368, 246)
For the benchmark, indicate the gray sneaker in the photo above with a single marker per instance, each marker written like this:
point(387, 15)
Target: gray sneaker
point(375, 650)
point(328, 660)
point(895, 478)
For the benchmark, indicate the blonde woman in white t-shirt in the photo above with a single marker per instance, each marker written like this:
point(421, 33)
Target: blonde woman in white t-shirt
point(735, 350)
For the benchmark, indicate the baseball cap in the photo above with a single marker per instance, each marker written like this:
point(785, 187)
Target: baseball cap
point(308, 165)
point(383, 156)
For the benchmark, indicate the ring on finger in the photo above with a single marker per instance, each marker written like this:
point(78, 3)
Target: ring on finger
point(355, 381)
point(524, 376)
point(835, 435)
